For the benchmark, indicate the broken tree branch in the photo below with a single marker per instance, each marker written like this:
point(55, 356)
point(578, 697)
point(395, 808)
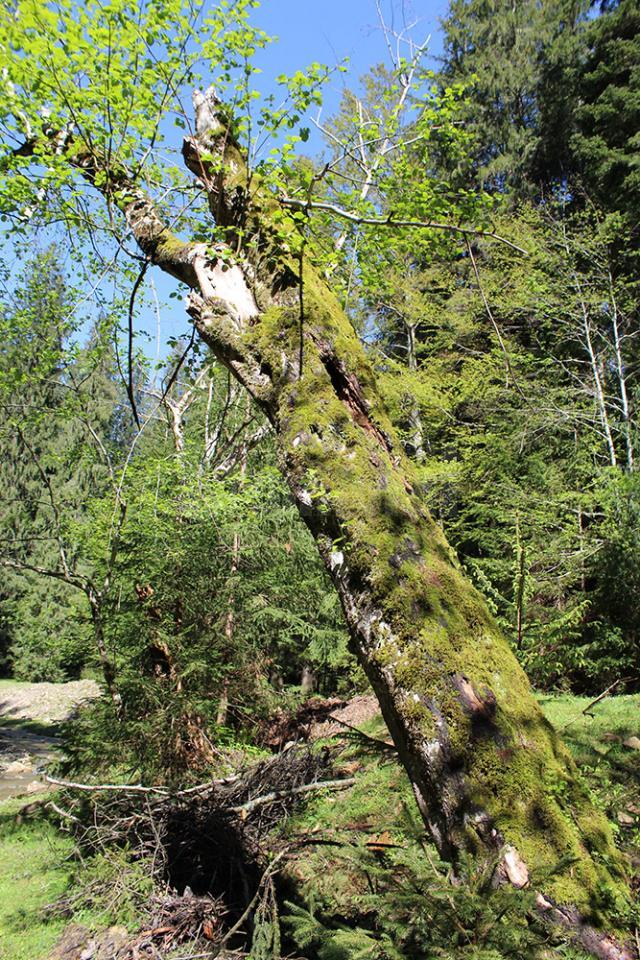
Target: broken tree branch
point(293, 791)
point(140, 788)
point(601, 696)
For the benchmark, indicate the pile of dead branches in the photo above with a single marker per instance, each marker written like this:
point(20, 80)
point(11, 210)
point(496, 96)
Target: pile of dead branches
point(284, 727)
point(178, 919)
point(252, 801)
point(208, 847)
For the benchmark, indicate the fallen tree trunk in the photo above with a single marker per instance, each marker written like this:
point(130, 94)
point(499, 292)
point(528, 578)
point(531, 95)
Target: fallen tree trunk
point(490, 776)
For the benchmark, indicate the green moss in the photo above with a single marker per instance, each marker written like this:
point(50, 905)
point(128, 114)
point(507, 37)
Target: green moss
point(514, 769)
point(540, 806)
point(168, 246)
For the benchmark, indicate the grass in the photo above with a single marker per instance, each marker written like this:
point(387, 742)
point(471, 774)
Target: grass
point(597, 739)
point(37, 868)
point(30, 726)
point(590, 734)
point(612, 769)
point(32, 874)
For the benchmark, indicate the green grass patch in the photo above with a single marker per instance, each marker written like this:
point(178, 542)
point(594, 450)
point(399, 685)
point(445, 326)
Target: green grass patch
point(32, 874)
point(597, 738)
point(37, 867)
point(610, 767)
point(593, 732)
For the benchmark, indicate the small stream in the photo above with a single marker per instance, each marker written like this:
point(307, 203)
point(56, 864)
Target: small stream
point(29, 715)
point(23, 759)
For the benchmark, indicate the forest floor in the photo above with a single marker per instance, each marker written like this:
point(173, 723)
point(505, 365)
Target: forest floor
point(338, 830)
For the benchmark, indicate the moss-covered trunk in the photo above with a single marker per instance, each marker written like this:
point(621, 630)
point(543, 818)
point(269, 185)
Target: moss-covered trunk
point(490, 775)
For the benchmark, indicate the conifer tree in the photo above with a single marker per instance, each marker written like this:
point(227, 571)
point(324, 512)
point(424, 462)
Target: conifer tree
point(50, 390)
point(607, 139)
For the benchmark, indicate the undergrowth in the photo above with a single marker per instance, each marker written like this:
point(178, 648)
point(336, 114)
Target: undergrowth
point(361, 881)
point(371, 888)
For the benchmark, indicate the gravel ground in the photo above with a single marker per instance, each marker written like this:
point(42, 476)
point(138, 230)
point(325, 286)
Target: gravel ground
point(24, 752)
point(43, 702)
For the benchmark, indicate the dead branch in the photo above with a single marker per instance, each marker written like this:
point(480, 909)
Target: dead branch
point(104, 787)
point(80, 583)
point(139, 788)
point(276, 795)
point(601, 696)
point(234, 456)
point(63, 813)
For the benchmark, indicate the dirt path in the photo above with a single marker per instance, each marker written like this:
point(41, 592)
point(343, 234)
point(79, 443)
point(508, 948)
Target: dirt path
point(28, 715)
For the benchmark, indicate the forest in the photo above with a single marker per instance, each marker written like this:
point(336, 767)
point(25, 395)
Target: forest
point(320, 525)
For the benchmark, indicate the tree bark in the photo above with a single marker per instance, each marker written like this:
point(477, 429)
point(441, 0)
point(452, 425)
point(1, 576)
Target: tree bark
point(415, 418)
point(490, 775)
point(596, 372)
point(622, 380)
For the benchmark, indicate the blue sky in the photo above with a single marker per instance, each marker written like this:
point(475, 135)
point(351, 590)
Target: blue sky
point(329, 30)
point(326, 31)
